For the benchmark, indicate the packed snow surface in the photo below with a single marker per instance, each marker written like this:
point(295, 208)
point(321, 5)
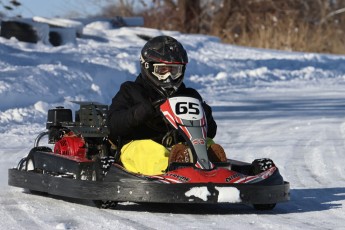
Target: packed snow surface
point(286, 106)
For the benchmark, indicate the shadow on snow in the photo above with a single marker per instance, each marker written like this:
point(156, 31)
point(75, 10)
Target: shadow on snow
point(302, 200)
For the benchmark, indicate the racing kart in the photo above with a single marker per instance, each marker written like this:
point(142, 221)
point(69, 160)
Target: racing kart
point(84, 164)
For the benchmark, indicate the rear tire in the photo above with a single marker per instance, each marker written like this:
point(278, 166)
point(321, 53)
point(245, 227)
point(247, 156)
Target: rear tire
point(105, 204)
point(30, 167)
point(264, 207)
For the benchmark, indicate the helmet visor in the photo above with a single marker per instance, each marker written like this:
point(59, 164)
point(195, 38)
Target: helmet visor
point(163, 71)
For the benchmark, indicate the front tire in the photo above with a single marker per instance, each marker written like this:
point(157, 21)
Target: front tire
point(261, 165)
point(105, 204)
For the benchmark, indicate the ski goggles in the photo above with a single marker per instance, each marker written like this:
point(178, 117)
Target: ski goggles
point(163, 71)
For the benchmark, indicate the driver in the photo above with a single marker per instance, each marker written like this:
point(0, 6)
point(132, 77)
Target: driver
point(138, 128)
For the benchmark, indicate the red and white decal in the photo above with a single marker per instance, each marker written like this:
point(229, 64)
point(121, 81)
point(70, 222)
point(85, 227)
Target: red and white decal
point(198, 141)
point(203, 125)
point(168, 113)
point(177, 109)
point(218, 175)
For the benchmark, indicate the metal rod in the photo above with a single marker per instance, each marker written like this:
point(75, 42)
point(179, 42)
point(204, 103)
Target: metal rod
point(38, 138)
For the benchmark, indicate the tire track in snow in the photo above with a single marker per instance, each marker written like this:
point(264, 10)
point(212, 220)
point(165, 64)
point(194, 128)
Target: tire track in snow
point(297, 171)
point(31, 214)
point(322, 147)
point(17, 212)
point(124, 219)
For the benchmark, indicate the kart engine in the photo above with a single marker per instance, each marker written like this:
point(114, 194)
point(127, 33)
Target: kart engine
point(86, 137)
point(70, 144)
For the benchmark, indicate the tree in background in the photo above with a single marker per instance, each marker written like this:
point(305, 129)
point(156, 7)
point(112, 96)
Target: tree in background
point(123, 8)
point(302, 25)
point(299, 25)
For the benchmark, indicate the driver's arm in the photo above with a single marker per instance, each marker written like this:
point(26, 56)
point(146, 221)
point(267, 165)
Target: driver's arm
point(128, 110)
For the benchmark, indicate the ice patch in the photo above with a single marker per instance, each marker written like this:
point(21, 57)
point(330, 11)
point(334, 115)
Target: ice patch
point(229, 195)
point(200, 192)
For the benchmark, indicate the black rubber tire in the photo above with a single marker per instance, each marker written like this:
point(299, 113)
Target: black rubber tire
point(30, 159)
point(105, 204)
point(261, 165)
point(264, 207)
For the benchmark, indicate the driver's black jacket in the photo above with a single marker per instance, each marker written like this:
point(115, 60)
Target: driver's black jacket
point(125, 116)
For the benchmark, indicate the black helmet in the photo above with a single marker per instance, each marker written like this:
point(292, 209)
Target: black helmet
point(163, 62)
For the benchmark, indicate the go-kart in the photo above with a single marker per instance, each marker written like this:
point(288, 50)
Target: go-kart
point(84, 164)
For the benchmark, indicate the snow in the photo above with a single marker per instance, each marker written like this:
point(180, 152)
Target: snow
point(287, 106)
point(230, 195)
point(60, 22)
point(199, 192)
